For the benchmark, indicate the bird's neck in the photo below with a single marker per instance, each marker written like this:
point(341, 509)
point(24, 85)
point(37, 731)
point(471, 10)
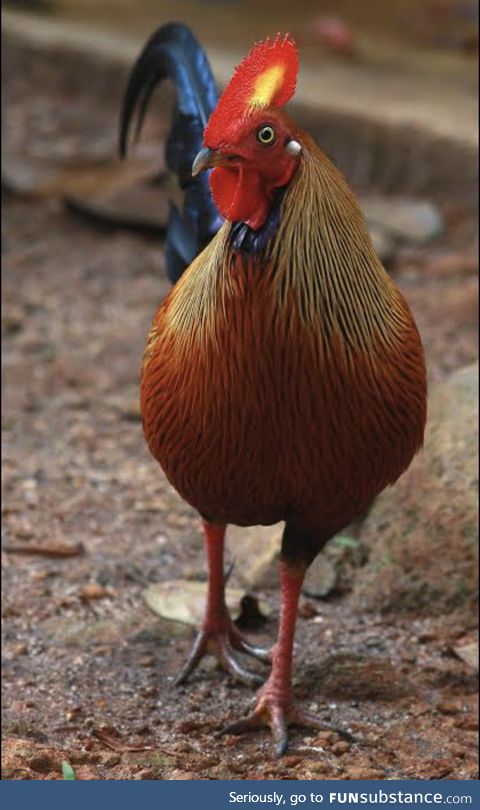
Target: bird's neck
point(323, 261)
point(313, 259)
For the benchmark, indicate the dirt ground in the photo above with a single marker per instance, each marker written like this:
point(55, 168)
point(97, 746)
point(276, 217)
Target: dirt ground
point(88, 670)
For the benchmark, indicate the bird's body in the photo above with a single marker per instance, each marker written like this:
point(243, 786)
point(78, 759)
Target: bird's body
point(277, 389)
point(283, 378)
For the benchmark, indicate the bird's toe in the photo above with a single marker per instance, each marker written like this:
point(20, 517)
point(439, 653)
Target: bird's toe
point(222, 644)
point(272, 711)
point(304, 719)
point(226, 656)
point(244, 646)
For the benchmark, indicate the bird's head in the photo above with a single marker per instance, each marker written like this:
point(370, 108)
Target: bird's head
point(248, 141)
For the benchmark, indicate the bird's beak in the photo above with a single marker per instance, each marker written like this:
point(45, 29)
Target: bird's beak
point(206, 159)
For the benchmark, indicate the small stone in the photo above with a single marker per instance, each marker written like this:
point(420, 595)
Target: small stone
point(145, 773)
point(320, 579)
point(449, 706)
point(95, 591)
point(73, 714)
point(363, 772)
point(325, 739)
point(307, 610)
point(292, 761)
point(86, 773)
point(109, 760)
point(423, 546)
point(341, 747)
point(319, 766)
point(417, 221)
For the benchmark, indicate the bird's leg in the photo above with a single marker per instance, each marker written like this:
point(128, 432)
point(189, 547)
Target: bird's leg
point(275, 705)
point(218, 633)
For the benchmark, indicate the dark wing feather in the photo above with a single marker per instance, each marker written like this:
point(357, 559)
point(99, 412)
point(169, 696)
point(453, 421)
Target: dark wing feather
point(172, 52)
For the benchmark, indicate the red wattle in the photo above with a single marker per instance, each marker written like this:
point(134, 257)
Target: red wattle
point(240, 195)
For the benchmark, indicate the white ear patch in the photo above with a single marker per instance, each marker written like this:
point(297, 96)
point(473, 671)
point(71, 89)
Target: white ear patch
point(293, 148)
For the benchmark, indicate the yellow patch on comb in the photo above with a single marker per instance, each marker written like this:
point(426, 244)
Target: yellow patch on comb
point(265, 78)
point(266, 85)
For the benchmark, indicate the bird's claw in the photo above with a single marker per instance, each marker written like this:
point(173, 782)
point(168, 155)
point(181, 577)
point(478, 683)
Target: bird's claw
point(260, 653)
point(222, 643)
point(271, 712)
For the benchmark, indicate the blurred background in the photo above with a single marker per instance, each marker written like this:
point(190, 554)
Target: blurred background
point(95, 542)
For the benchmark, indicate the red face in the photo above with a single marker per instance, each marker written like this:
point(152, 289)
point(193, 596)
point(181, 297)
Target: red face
point(255, 158)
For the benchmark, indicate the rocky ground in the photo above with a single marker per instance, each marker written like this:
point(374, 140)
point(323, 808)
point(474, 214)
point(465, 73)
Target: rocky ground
point(387, 647)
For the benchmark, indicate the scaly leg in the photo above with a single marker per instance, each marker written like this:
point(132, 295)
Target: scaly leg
point(275, 704)
point(218, 633)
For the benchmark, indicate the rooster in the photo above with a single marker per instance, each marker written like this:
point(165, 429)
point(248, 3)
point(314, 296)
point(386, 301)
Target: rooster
point(284, 376)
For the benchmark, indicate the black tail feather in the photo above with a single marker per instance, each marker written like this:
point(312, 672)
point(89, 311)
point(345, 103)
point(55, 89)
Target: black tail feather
point(174, 53)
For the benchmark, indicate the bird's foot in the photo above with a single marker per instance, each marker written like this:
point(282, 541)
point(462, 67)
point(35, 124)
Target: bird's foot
point(223, 639)
point(280, 712)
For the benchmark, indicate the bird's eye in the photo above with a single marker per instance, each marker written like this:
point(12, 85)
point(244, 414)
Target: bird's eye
point(266, 135)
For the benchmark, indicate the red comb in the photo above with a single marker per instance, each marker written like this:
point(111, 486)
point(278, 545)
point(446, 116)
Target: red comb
point(265, 78)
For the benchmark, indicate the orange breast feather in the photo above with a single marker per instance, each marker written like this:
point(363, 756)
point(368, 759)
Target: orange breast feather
point(254, 418)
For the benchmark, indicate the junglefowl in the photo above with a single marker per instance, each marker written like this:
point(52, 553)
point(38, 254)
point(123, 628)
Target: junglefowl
point(283, 377)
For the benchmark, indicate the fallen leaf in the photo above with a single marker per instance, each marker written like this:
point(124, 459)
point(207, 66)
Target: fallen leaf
point(468, 653)
point(182, 600)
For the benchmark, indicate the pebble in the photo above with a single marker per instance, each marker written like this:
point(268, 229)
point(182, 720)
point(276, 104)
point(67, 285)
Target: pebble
point(321, 578)
point(95, 591)
point(341, 747)
point(362, 772)
point(319, 766)
point(109, 760)
point(417, 221)
point(307, 610)
point(291, 761)
point(448, 706)
point(145, 773)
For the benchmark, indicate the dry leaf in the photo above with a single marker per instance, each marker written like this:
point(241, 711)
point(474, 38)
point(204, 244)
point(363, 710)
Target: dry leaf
point(468, 653)
point(182, 600)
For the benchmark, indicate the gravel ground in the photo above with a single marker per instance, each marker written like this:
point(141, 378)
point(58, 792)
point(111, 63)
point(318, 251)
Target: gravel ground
point(88, 669)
